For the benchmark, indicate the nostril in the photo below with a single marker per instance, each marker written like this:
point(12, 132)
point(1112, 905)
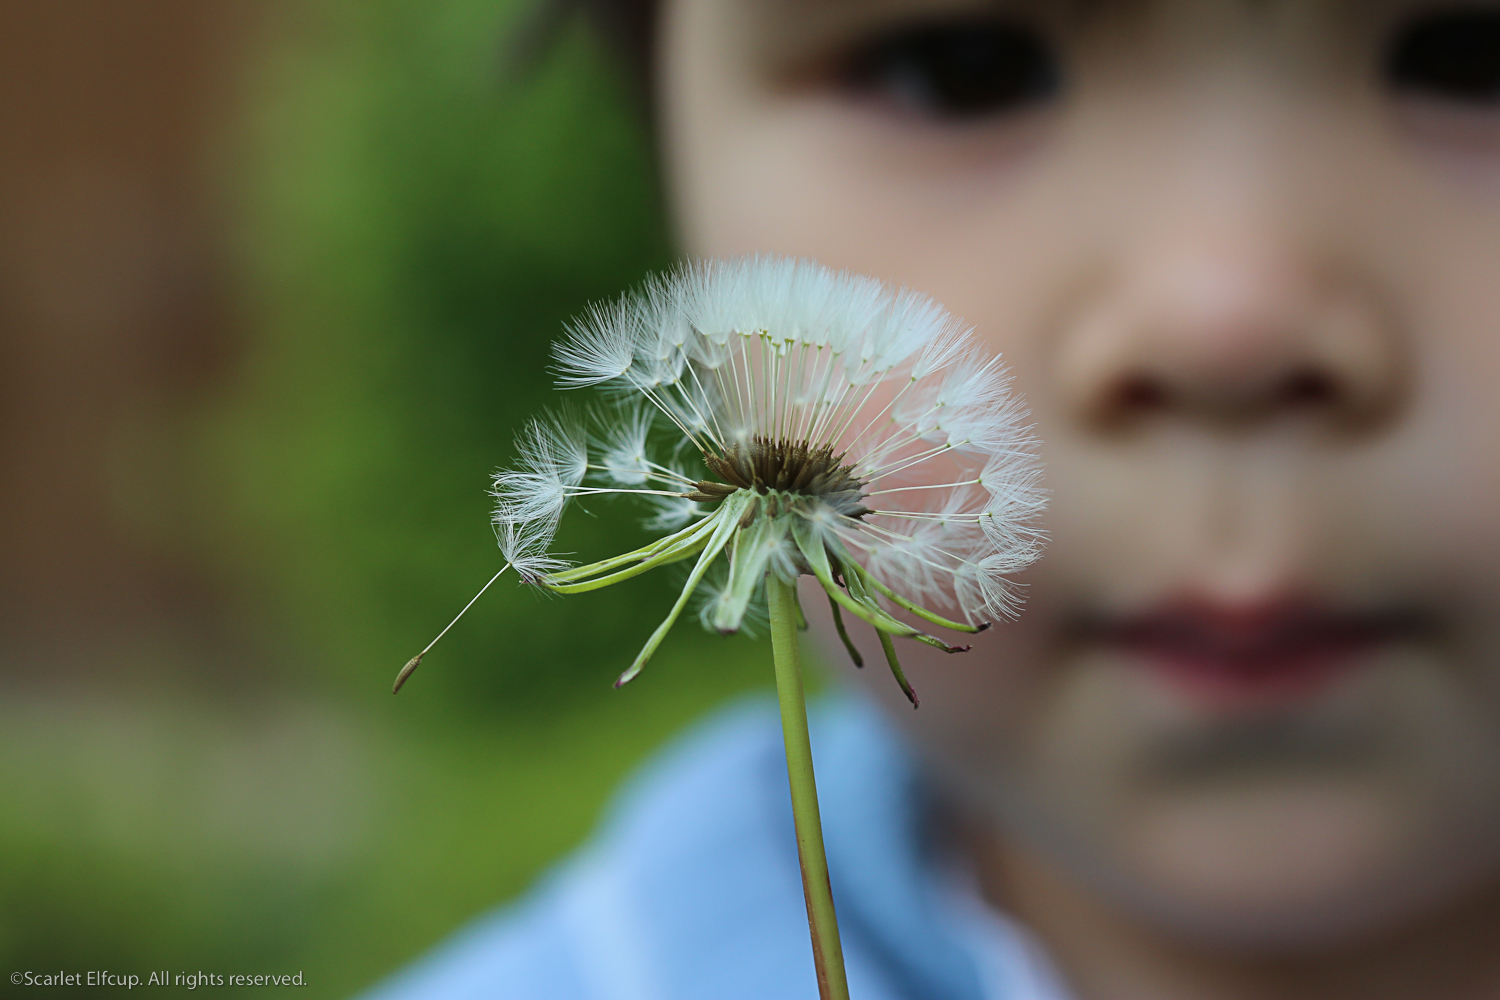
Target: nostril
point(1144, 394)
point(1139, 394)
point(1308, 389)
point(1234, 344)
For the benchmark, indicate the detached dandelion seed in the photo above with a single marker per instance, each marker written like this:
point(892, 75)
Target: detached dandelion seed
point(821, 424)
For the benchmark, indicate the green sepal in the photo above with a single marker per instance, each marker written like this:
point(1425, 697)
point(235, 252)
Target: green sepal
point(874, 583)
point(855, 577)
point(817, 559)
point(578, 573)
point(727, 522)
point(747, 569)
point(890, 658)
point(838, 623)
point(687, 545)
point(862, 605)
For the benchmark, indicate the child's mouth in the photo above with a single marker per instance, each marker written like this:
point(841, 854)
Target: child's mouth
point(1233, 656)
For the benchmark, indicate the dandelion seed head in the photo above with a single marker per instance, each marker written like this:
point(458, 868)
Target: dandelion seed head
point(793, 406)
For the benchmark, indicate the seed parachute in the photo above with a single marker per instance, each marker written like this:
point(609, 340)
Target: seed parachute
point(782, 418)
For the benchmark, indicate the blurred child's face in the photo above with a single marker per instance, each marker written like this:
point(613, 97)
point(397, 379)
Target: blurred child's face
point(1244, 260)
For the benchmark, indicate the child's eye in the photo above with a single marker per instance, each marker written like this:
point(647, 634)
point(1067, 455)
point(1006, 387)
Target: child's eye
point(962, 68)
point(1451, 55)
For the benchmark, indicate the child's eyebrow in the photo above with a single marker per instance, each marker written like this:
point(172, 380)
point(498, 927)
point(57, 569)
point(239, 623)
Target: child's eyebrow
point(793, 36)
point(789, 33)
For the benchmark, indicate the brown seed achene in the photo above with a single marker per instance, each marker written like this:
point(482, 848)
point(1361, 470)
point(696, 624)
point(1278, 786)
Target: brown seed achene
point(780, 465)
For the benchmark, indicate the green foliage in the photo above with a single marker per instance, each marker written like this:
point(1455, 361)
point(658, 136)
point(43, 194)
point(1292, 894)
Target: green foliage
point(417, 229)
point(160, 832)
point(425, 229)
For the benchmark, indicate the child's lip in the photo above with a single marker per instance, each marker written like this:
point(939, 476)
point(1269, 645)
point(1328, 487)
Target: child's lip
point(1230, 655)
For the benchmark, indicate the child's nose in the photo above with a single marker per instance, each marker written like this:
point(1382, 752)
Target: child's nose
point(1234, 338)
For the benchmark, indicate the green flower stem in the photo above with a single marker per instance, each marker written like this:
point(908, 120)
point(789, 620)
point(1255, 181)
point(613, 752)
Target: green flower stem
point(828, 953)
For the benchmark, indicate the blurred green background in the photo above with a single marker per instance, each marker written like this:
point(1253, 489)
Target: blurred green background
point(201, 764)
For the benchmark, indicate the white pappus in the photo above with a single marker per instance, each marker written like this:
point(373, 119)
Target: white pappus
point(808, 422)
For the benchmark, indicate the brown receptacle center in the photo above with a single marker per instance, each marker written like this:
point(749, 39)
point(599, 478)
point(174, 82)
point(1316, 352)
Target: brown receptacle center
point(783, 466)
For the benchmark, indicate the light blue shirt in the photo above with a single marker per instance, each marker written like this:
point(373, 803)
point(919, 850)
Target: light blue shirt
point(691, 887)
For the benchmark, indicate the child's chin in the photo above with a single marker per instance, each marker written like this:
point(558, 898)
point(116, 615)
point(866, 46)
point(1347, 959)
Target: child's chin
point(1306, 823)
point(1355, 810)
point(1301, 865)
